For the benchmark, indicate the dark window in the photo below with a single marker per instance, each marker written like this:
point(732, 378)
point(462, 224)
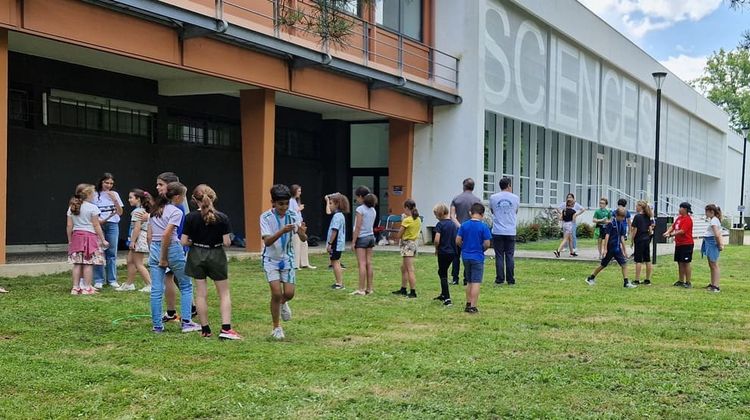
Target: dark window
point(91, 116)
point(203, 132)
point(295, 143)
point(404, 16)
point(18, 106)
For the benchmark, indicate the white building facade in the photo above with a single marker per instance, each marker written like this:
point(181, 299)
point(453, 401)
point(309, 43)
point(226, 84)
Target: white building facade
point(560, 102)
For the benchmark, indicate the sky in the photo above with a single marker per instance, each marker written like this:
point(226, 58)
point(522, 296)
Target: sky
point(681, 34)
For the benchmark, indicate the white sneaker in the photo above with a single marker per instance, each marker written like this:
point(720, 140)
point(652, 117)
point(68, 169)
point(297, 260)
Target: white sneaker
point(286, 311)
point(590, 281)
point(115, 285)
point(629, 285)
point(277, 333)
point(126, 288)
point(98, 286)
point(145, 289)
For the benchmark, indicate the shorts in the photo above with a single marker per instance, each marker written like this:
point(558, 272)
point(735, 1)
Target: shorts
point(205, 263)
point(568, 227)
point(473, 271)
point(335, 255)
point(279, 271)
point(616, 255)
point(599, 232)
point(710, 249)
point(642, 251)
point(365, 242)
point(683, 253)
point(408, 248)
point(141, 244)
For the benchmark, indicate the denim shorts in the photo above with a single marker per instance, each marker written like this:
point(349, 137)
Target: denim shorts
point(365, 242)
point(473, 271)
point(710, 249)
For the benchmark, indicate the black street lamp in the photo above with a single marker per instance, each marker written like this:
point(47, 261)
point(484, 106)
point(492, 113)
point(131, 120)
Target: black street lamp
point(659, 77)
point(745, 130)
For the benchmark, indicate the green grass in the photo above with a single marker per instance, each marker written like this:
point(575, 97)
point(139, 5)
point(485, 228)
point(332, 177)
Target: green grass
point(549, 347)
point(552, 244)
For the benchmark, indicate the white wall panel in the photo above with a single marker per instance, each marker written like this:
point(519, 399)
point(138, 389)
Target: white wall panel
point(678, 137)
point(698, 139)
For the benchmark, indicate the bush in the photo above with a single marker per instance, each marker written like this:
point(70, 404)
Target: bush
point(528, 232)
point(549, 224)
point(584, 230)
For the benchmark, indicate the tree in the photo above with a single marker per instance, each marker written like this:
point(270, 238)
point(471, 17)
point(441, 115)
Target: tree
point(726, 82)
point(745, 40)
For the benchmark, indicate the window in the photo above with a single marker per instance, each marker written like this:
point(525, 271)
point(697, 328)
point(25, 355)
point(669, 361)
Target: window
point(525, 162)
point(348, 6)
point(202, 132)
point(490, 155)
point(540, 154)
point(18, 106)
point(403, 16)
point(554, 168)
point(508, 147)
point(296, 143)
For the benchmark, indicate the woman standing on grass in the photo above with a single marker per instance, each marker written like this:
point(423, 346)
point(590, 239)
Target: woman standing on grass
point(364, 238)
point(301, 250)
point(86, 239)
point(110, 206)
point(713, 245)
point(641, 231)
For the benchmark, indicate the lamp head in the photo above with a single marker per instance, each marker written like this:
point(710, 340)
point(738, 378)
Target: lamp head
point(659, 77)
point(745, 131)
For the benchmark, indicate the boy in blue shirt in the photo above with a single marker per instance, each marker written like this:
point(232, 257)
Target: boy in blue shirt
point(614, 233)
point(473, 238)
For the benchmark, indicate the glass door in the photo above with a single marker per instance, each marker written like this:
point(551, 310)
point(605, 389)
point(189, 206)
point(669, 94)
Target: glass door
point(377, 181)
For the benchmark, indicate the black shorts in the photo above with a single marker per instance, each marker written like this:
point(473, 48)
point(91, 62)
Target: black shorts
point(335, 255)
point(641, 253)
point(365, 242)
point(683, 253)
point(616, 255)
point(205, 263)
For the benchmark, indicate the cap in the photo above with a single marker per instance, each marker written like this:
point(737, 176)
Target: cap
point(685, 205)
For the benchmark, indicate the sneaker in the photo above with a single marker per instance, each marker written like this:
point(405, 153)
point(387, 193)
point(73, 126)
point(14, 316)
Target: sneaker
point(89, 291)
point(75, 291)
point(454, 282)
point(358, 293)
point(126, 288)
point(636, 282)
point(98, 286)
point(190, 326)
point(369, 292)
point(679, 283)
point(590, 281)
point(401, 292)
point(499, 283)
point(687, 285)
point(157, 330)
point(336, 286)
point(277, 333)
point(206, 334)
point(713, 289)
point(286, 311)
point(471, 310)
point(440, 298)
point(145, 289)
point(167, 318)
point(229, 335)
point(574, 254)
point(557, 254)
point(629, 285)
point(412, 294)
point(447, 302)
point(310, 267)
point(647, 282)
point(116, 285)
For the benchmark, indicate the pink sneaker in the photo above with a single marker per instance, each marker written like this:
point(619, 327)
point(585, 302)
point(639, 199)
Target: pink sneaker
point(89, 291)
point(75, 291)
point(229, 335)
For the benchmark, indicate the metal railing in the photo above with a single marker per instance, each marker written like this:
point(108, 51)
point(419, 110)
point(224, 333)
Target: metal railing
point(366, 43)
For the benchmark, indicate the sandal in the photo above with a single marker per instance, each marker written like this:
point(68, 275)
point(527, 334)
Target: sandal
point(358, 293)
point(369, 292)
point(557, 254)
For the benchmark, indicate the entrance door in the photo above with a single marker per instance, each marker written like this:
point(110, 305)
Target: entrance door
point(376, 180)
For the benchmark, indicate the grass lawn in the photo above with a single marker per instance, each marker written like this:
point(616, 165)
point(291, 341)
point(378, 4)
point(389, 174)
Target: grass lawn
point(549, 347)
point(552, 244)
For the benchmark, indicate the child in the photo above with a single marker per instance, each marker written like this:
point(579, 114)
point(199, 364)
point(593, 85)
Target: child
point(84, 235)
point(137, 243)
point(277, 226)
point(336, 238)
point(411, 224)
point(364, 238)
point(301, 250)
point(110, 207)
point(568, 217)
point(682, 232)
point(623, 204)
point(445, 249)
point(166, 252)
point(713, 245)
point(640, 238)
point(207, 233)
point(602, 216)
point(615, 238)
point(473, 238)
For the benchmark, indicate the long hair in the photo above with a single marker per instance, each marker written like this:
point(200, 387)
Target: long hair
point(105, 176)
point(173, 189)
point(204, 197)
point(83, 191)
point(168, 177)
point(341, 202)
point(646, 209)
point(412, 207)
point(361, 191)
point(144, 197)
point(715, 209)
point(294, 188)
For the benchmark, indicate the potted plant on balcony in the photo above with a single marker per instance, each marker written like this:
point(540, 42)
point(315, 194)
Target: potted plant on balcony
point(328, 20)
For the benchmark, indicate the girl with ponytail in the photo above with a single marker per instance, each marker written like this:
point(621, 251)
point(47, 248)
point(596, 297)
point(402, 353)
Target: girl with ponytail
point(411, 226)
point(137, 241)
point(86, 242)
point(206, 232)
point(713, 245)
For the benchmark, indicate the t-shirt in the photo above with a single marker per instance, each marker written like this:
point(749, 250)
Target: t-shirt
point(463, 203)
point(577, 207)
point(411, 226)
point(568, 213)
point(683, 223)
point(338, 223)
point(368, 220)
point(473, 233)
point(206, 234)
point(135, 216)
point(601, 213)
point(615, 231)
point(448, 231)
point(281, 250)
point(82, 220)
point(642, 223)
point(294, 206)
point(107, 206)
point(709, 229)
point(170, 216)
point(504, 206)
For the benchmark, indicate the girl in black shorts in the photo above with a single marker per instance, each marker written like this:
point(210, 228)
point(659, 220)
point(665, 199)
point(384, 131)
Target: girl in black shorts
point(207, 233)
point(641, 231)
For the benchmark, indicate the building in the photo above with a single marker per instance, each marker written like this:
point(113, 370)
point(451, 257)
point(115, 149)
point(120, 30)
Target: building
point(239, 94)
point(560, 102)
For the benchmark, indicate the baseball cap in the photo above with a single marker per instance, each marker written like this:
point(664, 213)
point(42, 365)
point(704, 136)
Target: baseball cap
point(685, 205)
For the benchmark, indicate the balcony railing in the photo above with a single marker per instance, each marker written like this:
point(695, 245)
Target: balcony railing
point(366, 44)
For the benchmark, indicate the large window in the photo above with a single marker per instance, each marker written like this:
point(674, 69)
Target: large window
point(202, 132)
point(404, 16)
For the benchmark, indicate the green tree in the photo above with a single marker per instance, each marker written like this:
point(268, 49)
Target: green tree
point(726, 82)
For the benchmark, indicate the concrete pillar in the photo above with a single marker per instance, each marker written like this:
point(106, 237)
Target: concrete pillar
point(401, 165)
point(258, 120)
point(3, 139)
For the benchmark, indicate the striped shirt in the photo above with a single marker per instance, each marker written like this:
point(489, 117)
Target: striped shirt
point(282, 249)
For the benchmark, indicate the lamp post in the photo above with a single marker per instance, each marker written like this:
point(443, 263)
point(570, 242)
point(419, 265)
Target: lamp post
point(659, 77)
point(745, 130)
